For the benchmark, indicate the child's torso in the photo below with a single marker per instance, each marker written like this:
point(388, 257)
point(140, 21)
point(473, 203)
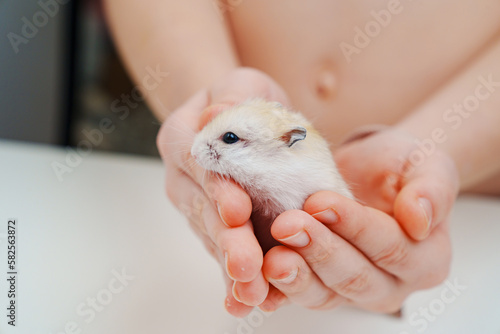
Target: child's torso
point(348, 63)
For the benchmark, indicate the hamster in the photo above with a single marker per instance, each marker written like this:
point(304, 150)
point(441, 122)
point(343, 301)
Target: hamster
point(276, 156)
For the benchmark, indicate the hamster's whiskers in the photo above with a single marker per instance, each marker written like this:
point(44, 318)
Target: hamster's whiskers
point(180, 126)
point(188, 165)
point(203, 177)
point(177, 142)
point(184, 151)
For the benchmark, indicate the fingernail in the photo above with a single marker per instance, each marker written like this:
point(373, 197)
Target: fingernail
point(220, 214)
point(329, 216)
point(300, 239)
point(426, 206)
point(286, 280)
point(226, 262)
point(235, 293)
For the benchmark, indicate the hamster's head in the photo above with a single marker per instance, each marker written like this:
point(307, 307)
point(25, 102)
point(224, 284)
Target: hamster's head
point(248, 138)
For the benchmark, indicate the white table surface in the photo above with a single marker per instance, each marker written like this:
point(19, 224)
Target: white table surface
point(111, 215)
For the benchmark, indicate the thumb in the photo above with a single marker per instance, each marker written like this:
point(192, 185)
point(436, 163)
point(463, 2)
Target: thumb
point(210, 112)
point(427, 195)
point(240, 85)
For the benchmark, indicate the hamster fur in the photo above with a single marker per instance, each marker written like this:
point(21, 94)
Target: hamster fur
point(275, 155)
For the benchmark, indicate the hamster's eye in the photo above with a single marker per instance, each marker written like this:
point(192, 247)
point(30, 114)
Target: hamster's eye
point(230, 138)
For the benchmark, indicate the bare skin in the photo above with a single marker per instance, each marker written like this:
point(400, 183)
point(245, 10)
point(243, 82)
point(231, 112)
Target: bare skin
point(427, 59)
point(393, 74)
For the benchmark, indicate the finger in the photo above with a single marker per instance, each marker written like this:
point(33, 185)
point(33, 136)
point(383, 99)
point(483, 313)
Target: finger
point(274, 300)
point(239, 86)
point(427, 196)
point(233, 306)
point(187, 196)
point(338, 264)
point(210, 112)
point(243, 253)
point(175, 141)
point(288, 272)
point(183, 122)
point(378, 182)
point(233, 204)
point(251, 293)
point(243, 256)
point(380, 238)
point(245, 83)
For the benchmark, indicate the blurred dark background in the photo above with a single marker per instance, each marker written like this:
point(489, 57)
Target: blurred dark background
point(60, 76)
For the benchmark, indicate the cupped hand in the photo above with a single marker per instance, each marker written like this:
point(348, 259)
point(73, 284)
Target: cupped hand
point(407, 178)
point(218, 209)
point(374, 254)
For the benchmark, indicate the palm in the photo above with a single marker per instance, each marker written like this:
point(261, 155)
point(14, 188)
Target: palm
point(383, 174)
point(373, 169)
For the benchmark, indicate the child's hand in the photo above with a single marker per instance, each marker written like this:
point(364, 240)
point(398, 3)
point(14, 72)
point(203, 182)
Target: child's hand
point(204, 199)
point(361, 255)
point(389, 171)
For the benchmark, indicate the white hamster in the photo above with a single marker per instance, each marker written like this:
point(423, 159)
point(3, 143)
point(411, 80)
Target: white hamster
point(274, 154)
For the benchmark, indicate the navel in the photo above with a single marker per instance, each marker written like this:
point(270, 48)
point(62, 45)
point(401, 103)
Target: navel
point(326, 81)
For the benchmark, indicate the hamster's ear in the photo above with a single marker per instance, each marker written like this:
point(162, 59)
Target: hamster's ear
point(278, 105)
point(294, 135)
